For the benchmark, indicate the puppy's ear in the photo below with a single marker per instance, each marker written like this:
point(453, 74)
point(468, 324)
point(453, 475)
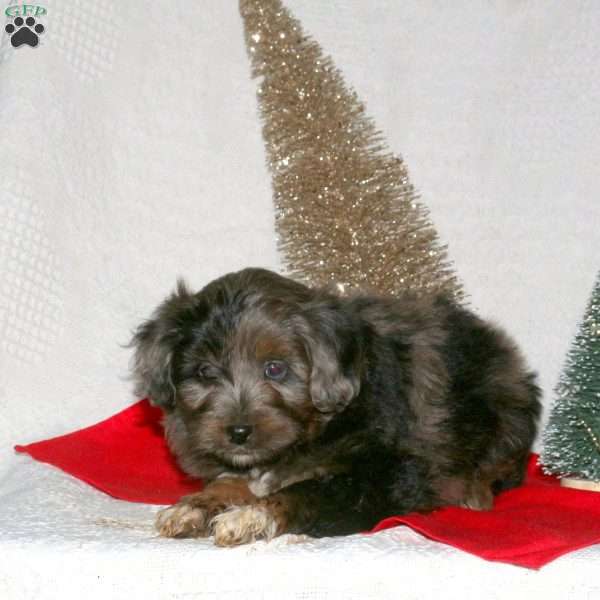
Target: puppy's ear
point(332, 341)
point(155, 342)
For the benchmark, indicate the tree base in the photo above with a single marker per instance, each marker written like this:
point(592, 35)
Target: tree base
point(580, 484)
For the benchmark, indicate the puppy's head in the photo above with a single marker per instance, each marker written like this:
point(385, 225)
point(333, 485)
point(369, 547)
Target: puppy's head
point(247, 368)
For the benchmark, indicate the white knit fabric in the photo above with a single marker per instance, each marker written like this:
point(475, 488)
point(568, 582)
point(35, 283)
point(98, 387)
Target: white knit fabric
point(131, 153)
point(62, 539)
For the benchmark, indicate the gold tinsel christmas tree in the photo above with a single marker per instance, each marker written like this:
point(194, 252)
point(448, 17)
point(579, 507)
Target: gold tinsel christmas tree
point(346, 212)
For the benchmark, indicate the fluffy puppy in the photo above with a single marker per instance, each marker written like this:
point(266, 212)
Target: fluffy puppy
point(310, 413)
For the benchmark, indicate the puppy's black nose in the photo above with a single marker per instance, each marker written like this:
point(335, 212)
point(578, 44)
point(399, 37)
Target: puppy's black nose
point(239, 433)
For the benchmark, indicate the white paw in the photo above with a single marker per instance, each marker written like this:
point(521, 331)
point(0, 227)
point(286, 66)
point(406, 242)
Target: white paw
point(182, 520)
point(242, 525)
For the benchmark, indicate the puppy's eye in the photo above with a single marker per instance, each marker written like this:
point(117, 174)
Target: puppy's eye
point(207, 372)
point(275, 370)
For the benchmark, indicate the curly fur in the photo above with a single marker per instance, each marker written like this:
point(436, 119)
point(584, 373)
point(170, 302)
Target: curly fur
point(386, 405)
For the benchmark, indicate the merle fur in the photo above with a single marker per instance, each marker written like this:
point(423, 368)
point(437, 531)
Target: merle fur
point(395, 404)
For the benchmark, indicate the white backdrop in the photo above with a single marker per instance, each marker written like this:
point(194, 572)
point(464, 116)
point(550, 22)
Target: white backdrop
point(131, 153)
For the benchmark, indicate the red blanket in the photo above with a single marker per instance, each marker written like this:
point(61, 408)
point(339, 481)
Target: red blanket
point(126, 457)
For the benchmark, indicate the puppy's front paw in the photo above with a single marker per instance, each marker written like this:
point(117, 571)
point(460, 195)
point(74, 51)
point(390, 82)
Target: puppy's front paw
point(192, 515)
point(183, 520)
point(244, 525)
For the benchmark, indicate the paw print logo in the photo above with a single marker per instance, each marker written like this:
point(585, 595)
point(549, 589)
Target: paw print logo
point(24, 32)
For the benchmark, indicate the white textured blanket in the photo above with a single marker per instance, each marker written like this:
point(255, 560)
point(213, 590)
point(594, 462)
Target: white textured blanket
point(62, 539)
point(131, 153)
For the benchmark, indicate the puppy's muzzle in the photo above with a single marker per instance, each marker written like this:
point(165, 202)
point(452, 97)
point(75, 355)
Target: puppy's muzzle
point(239, 434)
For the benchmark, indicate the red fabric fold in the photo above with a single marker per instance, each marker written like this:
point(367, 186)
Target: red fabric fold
point(529, 526)
point(126, 456)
